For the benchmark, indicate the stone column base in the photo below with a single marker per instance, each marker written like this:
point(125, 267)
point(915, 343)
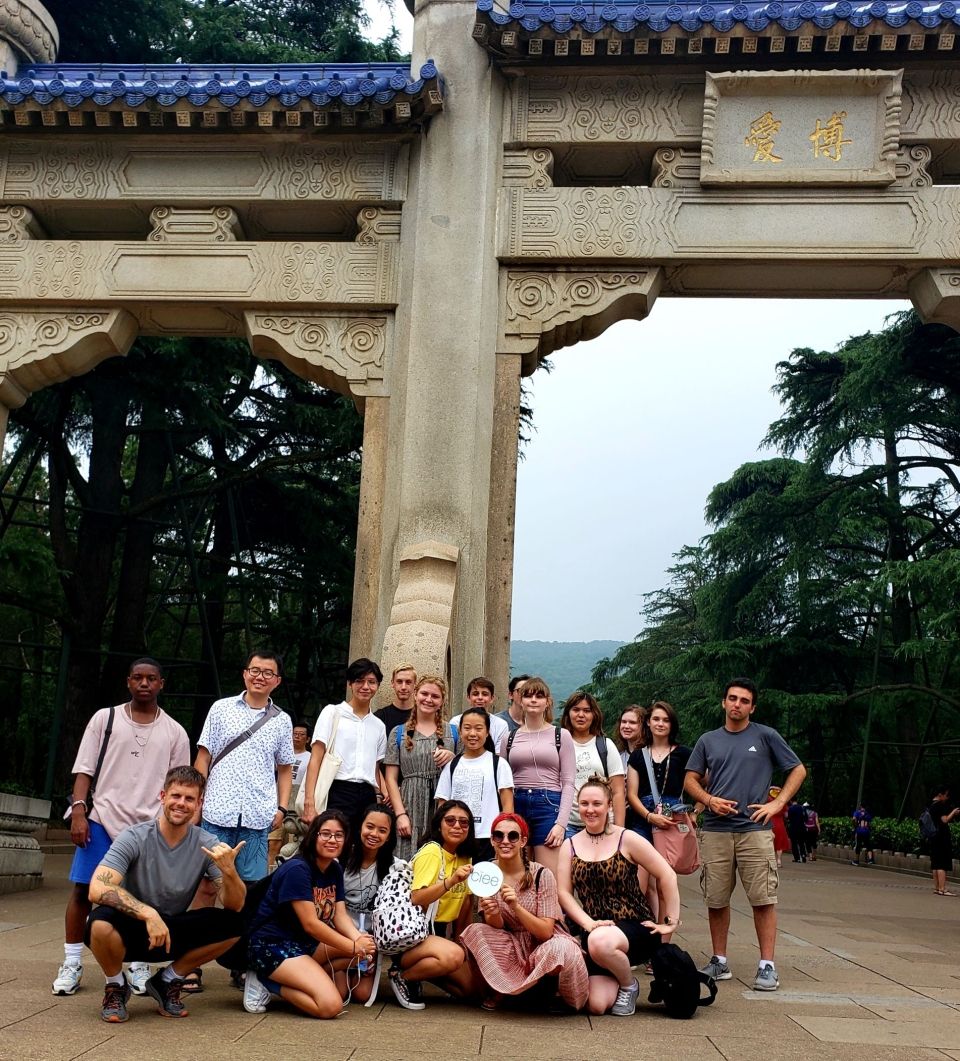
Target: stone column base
point(21, 860)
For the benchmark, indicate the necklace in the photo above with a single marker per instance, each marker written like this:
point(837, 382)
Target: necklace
point(142, 741)
point(595, 838)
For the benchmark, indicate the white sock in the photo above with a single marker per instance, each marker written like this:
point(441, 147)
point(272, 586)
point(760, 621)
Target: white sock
point(168, 974)
point(721, 958)
point(73, 953)
point(766, 963)
point(118, 979)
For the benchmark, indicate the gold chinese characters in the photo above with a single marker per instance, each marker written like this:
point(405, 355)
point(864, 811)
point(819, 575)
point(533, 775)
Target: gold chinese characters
point(827, 137)
point(761, 135)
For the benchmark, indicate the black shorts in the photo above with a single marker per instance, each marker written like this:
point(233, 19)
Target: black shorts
point(641, 945)
point(188, 931)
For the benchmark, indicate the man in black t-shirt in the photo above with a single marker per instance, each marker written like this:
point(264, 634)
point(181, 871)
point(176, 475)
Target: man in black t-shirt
point(403, 681)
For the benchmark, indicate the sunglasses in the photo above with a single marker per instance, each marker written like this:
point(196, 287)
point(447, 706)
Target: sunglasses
point(510, 838)
point(459, 823)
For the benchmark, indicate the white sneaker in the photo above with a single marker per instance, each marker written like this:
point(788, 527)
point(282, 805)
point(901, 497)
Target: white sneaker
point(256, 997)
point(68, 978)
point(137, 974)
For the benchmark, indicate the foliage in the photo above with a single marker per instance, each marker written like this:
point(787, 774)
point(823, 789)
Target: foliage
point(831, 573)
point(887, 834)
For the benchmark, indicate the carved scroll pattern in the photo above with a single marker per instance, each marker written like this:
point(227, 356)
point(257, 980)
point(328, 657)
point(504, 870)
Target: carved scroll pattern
point(56, 171)
point(17, 223)
point(377, 225)
point(911, 166)
point(530, 167)
point(213, 224)
point(336, 172)
point(675, 167)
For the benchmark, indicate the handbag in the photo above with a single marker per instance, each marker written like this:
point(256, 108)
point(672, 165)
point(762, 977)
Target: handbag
point(678, 844)
point(329, 767)
point(398, 925)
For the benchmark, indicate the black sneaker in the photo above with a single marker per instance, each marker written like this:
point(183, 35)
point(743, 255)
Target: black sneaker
point(166, 993)
point(415, 991)
point(114, 1009)
point(401, 991)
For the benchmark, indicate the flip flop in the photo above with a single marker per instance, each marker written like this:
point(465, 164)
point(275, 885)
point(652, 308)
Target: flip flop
point(192, 982)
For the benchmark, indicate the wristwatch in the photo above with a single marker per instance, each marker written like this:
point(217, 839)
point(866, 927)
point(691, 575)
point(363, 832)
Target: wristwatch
point(283, 810)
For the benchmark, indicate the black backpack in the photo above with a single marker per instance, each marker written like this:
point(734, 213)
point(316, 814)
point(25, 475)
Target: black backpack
point(677, 982)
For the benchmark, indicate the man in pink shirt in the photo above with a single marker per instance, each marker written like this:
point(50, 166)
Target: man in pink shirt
point(124, 755)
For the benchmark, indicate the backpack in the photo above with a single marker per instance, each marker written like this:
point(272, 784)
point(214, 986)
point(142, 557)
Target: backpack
point(556, 735)
point(398, 925)
point(455, 733)
point(455, 762)
point(677, 982)
point(928, 827)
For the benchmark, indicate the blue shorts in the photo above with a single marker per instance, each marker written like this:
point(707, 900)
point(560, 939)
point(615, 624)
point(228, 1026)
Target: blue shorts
point(86, 859)
point(540, 808)
point(265, 956)
point(252, 859)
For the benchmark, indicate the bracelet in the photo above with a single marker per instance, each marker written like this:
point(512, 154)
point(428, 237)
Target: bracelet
point(283, 810)
point(445, 885)
point(403, 814)
point(78, 803)
point(671, 924)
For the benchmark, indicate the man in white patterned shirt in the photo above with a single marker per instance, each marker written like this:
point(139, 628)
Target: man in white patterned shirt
point(248, 780)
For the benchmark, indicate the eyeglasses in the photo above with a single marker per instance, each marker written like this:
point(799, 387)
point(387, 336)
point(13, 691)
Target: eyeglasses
point(260, 672)
point(459, 823)
point(331, 836)
point(501, 838)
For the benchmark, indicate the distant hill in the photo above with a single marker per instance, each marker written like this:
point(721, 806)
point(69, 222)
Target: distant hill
point(563, 665)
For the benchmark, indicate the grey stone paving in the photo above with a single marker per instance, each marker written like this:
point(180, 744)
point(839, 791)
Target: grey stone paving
point(867, 961)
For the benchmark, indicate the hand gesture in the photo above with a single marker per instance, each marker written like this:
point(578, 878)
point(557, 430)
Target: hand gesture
point(441, 757)
point(461, 874)
point(489, 907)
point(763, 812)
point(599, 924)
point(508, 894)
point(157, 931)
point(555, 837)
point(224, 855)
point(659, 930)
point(721, 806)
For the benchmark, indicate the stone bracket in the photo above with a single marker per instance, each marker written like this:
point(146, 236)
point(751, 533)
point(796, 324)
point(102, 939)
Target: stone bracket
point(377, 224)
point(212, 224)
point(38, 348)
point(17, 223)
point(346, 354)
point(543, 310)
point(936, 295)
point(529, 167)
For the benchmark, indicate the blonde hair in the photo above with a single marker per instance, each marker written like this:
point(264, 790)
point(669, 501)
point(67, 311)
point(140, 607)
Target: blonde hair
point(537, 685)
point(403, 667)
point(596, 781)
point(411, 726)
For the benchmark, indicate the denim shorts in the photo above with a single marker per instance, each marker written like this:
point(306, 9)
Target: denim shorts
point(265, 956)
point(251, 861)
point(539, 807)
point(87, 858)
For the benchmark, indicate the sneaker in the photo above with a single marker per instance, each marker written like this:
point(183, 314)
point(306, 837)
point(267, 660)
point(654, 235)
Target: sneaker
point(415, 991)
point(648, 969)
point(138, 973)
point(114, 1009)
point(626, 1003)
point(766, 979)
point(68, 979)
point(256, 997)
point(401, 990)
point(166, 993)
point(717, 969)
point(237, 977)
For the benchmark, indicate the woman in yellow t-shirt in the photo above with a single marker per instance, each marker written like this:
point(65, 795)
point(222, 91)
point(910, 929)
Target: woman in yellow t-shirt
point(440, 871)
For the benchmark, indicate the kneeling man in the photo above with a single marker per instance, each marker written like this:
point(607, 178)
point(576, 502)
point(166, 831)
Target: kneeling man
point(144, 886)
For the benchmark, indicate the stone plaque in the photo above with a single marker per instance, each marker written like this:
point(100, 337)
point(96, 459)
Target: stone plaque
point(807, 127)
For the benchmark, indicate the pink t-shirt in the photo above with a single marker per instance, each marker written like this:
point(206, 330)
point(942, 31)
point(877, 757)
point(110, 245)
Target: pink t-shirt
point(137, 760)
point(536, 764)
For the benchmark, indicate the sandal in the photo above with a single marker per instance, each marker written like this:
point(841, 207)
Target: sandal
point(491, 1003)
point(192, 982)
point(948, 893)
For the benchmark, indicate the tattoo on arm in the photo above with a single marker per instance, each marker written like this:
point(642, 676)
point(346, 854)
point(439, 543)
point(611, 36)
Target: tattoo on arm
point(117, 897)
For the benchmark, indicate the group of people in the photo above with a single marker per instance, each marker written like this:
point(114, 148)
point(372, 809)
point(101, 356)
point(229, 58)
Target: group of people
point(566, 814)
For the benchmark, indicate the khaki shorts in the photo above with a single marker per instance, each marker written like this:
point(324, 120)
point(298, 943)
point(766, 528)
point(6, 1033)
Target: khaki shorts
point(748, 854)
point(276, 834)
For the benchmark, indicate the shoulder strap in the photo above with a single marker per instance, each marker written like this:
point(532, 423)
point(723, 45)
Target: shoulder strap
point(454, 763)
point(107, 733)
point(654, 791)
point(711, 987)
point(536, 879)
point(455, 733)
point(399, 733)
point(602, 752)
point(510, 740)
point(269, 712)
point(496, 781)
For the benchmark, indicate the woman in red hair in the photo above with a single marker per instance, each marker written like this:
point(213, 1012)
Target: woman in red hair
point(523, 937)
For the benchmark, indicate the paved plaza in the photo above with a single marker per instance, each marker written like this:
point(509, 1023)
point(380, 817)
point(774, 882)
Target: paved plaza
point(867, 960)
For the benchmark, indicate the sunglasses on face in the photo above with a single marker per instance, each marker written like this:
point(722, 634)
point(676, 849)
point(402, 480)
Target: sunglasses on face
point(509, 838)
point(457, 823)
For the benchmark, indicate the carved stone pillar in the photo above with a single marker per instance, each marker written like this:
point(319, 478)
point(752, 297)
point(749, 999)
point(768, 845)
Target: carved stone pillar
point(21, 860)
point(502, 521)
point(936, 295)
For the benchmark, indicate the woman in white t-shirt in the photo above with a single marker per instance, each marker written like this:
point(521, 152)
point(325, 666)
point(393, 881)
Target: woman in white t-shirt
point(596, 754)
point(470, 778)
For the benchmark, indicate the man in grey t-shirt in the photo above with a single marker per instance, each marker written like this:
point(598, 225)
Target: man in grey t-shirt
point(144, 885)
point(738, 760)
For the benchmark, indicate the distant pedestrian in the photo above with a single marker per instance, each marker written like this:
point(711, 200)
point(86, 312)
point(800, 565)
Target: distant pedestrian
point(512, 714)
point(797, 830)
point(813, 830)
point(781, 839)
point(941, 847)
point(862, 828)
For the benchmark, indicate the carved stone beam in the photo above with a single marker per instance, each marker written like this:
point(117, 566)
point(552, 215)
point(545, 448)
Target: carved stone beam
point(346, 354)
point(377, 224)
point(529, 167)
point(213, 224)
point(422, 614)
point(40, 347)
point(936, 295)
point(543, 310)
point(19, 223)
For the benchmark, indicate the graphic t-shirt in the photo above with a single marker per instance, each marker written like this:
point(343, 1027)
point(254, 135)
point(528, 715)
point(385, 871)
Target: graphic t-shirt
point(588, 764)
point(862, 818)
point(472, 782)
point(298, 881)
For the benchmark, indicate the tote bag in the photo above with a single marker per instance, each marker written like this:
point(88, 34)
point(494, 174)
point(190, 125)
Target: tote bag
point(329, 768)
point(678, 843)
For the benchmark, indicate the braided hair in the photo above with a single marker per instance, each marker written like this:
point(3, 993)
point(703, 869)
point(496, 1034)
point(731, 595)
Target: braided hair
point(411, 725)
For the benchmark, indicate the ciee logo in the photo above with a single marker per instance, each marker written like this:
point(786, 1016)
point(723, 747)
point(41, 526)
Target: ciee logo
point(485, 879)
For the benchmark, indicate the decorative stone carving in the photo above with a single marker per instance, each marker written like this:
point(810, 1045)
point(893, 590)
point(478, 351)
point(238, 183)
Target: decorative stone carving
point(597, 109)
point(98, 169)
point(17, 223)
point(212, 224)
point(911, 166)
point(29, 25)
point(810, 127)
point(345, 354)
point(931, 105)
point(42, 347)
point(375, 224)
point(675, 167)
point(544, 310)
point(936, 295)
point(21, 860)
point(422, 613)
point(528, 167)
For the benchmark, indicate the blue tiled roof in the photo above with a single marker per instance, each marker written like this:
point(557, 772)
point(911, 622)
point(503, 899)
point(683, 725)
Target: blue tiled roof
point(564, 16)
point(344, 85)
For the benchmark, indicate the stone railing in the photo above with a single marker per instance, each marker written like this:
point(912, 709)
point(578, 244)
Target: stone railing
point(918, 864)
point(21, 860)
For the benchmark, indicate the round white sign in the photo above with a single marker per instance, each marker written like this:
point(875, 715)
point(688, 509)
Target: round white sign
point(485, 880)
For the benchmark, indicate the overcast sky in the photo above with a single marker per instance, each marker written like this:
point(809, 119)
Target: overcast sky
point(632, 432)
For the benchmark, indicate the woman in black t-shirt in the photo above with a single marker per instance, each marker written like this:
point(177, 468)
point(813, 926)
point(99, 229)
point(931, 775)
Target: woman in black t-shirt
point(941, 847)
